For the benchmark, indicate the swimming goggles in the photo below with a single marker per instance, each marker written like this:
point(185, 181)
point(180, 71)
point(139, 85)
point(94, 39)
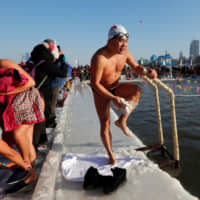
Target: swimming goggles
point(121, 35)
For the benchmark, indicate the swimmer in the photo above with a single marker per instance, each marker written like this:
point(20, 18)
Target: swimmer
point(106, 67)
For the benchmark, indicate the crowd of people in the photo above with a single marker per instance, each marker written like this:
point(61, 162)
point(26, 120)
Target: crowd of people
point(83, 72)
point(28, 99)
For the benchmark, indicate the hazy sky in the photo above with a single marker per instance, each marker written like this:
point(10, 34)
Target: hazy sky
point(81, 27)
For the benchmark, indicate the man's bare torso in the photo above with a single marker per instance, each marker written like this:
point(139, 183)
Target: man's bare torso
point(112, 67)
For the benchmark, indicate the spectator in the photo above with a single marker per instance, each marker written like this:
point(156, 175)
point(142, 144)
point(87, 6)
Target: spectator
point(56, 85)
point(74, 73)
point(21, 108)
point(46, 72)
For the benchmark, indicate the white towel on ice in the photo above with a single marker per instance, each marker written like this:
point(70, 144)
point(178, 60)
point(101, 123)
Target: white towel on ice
point(74, 166)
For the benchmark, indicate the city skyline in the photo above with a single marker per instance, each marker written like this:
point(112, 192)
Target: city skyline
point(80, 28)
point(194, 51)
point(194, 48)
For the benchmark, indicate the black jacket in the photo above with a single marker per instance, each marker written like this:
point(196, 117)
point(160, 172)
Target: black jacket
point(48, 67)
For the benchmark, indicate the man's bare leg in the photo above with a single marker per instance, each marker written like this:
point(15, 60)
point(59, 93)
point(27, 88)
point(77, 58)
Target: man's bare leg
point(131, 93)
point(106, 140)
point(111, 161)
point(121, 123)
point(103, 111)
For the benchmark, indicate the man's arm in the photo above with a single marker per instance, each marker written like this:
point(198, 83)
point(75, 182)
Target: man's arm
point(134, 65)
point(141, 70)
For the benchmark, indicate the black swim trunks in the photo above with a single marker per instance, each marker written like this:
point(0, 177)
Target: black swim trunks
point(111, 90)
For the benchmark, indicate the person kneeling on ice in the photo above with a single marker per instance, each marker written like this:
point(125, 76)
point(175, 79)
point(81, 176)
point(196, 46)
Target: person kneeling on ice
point(106, 67)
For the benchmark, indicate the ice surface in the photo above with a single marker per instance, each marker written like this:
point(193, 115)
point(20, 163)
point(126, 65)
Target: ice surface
point(145, 180)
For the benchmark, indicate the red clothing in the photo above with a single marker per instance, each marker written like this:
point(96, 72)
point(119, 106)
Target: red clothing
point(9, 80)
point(27, 106)
point(21, 108)
point(27, 109)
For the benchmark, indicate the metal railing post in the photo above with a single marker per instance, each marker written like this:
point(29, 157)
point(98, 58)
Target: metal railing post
point(154, 83)
point(173, 115)
point(160, 130)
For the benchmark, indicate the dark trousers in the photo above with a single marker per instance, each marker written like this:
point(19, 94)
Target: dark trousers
point(54, 99)
point(47, 94)
point(39, 134)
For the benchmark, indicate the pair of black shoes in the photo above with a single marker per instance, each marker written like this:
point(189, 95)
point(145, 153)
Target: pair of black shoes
point(16, 180)
point(94, 180)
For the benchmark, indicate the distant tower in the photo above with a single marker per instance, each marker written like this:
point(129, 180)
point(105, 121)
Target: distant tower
point(194, 48)
point(181, 55)
point(181, 58)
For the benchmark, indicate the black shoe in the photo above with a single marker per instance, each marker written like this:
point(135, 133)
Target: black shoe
point(16, 187)
point(18, 175)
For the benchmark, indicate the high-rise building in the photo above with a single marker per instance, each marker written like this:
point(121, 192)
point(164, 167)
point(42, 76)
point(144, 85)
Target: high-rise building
point(194, 48)
point(180, 55)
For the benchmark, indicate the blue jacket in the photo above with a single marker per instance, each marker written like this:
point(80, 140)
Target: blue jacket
point(59, 82)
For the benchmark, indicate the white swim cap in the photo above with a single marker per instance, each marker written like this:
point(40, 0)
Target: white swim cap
point(117, 31)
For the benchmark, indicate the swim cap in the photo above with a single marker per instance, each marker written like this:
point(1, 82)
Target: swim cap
point(117, 31)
